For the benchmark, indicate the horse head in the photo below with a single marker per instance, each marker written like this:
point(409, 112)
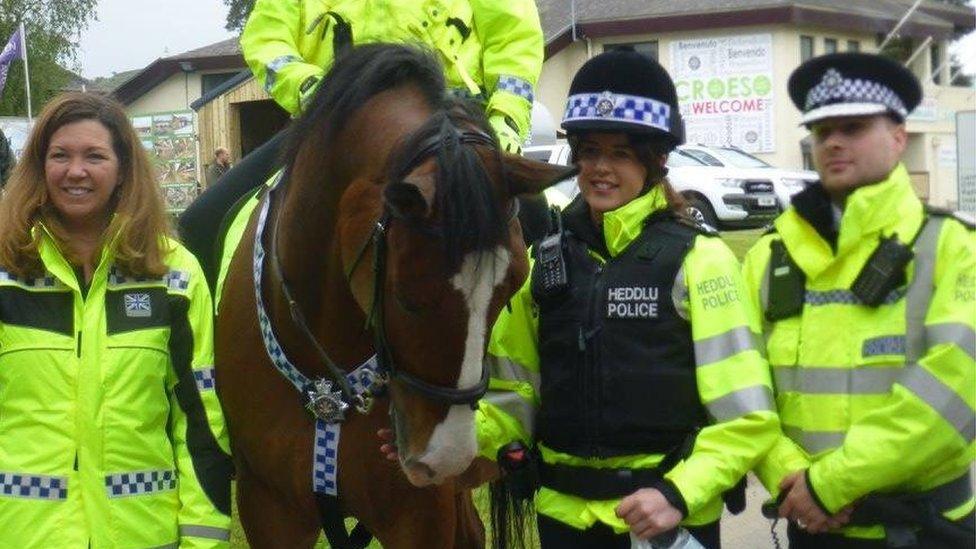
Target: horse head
point(426, 233)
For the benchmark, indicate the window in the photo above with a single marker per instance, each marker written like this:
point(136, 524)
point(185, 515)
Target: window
point(646, 48)
point(210, 82)
point(853, 45)
point(830, 45)
point(936, 57)
point(806, 48)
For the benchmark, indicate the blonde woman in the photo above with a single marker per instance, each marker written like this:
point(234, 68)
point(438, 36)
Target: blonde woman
point(110, 430)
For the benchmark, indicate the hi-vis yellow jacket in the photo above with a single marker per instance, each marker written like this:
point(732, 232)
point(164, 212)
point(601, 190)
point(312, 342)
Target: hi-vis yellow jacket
point(733, 382)
point(879, 399)
point(489, 48)
point(111, 435)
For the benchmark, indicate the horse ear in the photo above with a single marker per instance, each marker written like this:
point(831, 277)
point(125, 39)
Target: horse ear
point(527, 176)
point(406, 201)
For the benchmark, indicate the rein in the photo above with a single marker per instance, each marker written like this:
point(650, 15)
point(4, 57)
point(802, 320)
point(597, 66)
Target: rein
point(321, 399)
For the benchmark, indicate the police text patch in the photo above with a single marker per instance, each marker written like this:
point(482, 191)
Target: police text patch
point(632, 302)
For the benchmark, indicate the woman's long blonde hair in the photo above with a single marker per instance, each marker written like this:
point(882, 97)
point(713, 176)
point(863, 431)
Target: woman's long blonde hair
point(139, 225)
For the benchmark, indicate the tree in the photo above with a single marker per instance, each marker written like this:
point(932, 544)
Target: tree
point(50, 26)
point(239, 11)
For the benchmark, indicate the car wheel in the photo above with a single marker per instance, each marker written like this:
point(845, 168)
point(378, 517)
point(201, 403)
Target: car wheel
point(701, 211)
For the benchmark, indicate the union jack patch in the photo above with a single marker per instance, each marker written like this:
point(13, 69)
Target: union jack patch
point(137, 305)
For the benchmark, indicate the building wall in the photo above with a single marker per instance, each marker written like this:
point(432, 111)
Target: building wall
point(932, 135)
point(174, 94)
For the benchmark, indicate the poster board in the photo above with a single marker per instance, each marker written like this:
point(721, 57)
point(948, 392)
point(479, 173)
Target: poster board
point(725, 90)
point(171, 140)
point(966, 161)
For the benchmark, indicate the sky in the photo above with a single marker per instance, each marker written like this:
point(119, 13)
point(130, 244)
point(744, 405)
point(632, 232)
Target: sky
point(130, 34)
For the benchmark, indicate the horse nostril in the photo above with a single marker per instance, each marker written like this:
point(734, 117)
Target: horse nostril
point(420, 467)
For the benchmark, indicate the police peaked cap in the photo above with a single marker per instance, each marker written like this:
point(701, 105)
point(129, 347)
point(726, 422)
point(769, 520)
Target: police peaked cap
point(853, 84)
point(624, 91)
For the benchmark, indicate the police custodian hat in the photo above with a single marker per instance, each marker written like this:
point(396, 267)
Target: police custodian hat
point(624, 91)
point(853, 84)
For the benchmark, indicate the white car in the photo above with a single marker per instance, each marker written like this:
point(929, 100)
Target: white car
point(786, 183)
point(717, 196)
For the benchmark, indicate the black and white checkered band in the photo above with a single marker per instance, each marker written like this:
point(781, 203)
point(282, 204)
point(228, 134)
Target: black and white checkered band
point(836, 95)
point(517, 86)
point(618, 107)
point(139, 483)
point(21, 485)
point(204, 378)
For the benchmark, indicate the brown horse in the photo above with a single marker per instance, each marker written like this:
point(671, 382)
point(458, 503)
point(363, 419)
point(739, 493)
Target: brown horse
point(384, 171)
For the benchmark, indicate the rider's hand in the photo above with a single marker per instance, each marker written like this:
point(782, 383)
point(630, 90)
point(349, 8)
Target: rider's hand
point(648, 513)
point(388, 447)
point(508, 136)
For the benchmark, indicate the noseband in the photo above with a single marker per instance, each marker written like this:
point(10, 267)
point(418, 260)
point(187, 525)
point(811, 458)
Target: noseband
point(386, 367)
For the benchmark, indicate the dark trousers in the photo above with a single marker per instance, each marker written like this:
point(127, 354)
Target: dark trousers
point(556, 535)
point(200, 225)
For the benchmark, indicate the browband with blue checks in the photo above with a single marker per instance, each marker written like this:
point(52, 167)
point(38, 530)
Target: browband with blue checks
point(606, 106)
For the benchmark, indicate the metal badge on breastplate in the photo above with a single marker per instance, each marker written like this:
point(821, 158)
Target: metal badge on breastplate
point(604, 107)
point(324, 402)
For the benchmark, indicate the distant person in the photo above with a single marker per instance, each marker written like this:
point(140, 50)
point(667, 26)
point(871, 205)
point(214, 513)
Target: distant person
point(219, 166)
point(111, 434)
point(7, 160)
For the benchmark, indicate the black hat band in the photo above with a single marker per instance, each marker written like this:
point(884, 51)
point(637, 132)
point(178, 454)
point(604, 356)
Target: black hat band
point(839, 96)
point(618, 107)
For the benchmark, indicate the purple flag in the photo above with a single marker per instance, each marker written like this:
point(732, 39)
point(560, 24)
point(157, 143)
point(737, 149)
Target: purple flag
point(13, 50)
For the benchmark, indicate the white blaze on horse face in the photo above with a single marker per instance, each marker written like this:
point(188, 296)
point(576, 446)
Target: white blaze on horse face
point(453, 443)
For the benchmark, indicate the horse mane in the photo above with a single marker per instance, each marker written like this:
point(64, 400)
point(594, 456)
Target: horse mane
point(465, 200)
point(357, 75)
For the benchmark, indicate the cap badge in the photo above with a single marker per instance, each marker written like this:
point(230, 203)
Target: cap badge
point(605, 105)
point(832, 79)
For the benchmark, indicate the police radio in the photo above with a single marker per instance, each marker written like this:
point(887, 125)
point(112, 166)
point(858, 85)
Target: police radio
point(883, 272)
point(552, 264)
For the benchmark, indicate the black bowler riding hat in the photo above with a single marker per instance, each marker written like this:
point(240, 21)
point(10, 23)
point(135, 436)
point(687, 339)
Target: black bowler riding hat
point(624, 91)
point(853, 84)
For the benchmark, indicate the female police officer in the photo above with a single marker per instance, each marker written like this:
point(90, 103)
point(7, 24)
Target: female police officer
point(627, 359)
point(111, 432)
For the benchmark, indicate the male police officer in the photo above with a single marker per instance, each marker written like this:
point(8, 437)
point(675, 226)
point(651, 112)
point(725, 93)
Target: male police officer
point(869, 306)
point(491, 50)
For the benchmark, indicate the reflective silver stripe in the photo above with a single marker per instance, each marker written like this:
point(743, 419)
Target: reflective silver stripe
point(725, 345)
point(273, 67)
point(679, 294)
point(739, 403)
point(208, 532)
point(955, 333)
point(509, 370)
point(167, 546)
point(919, 293)
point(942, 399)
point(514, 405)
point(872, 380)
point(815, 442)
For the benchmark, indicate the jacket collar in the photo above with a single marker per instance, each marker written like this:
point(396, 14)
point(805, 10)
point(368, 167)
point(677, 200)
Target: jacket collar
point(55, 261)
point(620, 226)
point(880, 209)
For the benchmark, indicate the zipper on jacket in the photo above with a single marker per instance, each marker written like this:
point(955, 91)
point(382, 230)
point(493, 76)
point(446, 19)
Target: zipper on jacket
point(590, 368)
point(78, 349)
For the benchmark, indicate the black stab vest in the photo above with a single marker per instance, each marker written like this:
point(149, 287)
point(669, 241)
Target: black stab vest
point(617, 361)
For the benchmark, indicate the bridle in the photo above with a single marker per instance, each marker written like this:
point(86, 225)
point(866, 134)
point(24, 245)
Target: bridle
point(387, 367)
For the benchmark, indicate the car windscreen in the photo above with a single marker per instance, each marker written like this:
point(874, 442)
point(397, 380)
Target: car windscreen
point(681, 159)
point(740, 159)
